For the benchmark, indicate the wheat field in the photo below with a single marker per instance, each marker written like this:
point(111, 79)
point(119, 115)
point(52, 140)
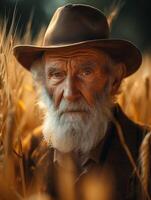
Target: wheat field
point(21, 119)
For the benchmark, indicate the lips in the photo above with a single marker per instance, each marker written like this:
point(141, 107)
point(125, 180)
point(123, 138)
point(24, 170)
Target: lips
point(74, 112)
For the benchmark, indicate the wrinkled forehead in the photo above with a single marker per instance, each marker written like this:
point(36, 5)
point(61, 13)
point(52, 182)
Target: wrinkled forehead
point(86, 54)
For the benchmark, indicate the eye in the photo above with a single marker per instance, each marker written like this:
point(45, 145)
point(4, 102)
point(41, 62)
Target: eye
point(57, 75)
point(86, 72)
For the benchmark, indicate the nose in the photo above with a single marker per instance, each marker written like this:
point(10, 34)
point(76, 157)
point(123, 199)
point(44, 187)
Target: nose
point(71, 92)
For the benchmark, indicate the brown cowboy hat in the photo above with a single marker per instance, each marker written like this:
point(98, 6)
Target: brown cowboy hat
point(79, 26)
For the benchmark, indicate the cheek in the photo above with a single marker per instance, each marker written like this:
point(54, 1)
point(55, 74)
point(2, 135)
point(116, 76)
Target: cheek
point(89, 90)
point(55, 91)
point(98, 85)
point(49, 88)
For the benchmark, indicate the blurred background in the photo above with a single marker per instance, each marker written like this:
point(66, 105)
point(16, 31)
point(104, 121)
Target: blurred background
point(21, 150)
point(132, 23)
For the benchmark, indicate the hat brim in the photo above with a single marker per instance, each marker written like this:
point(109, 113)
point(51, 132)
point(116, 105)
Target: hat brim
point(120, 50)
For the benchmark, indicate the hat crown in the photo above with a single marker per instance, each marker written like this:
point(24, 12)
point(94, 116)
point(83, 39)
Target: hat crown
point(76, 23)
point(80, 26)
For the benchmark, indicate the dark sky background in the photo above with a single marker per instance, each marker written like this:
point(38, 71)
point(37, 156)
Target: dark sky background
point(133, 22)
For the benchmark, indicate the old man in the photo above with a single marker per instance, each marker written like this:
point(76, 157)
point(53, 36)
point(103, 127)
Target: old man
point(79, 69)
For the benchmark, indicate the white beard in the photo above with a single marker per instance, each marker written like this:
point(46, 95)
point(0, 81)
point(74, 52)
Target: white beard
point(74, 132)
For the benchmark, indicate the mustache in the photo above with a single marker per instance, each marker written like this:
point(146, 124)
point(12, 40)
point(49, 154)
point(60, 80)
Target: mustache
point(80, 106)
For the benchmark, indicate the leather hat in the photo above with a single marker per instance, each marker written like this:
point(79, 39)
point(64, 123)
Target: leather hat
point(76, 26)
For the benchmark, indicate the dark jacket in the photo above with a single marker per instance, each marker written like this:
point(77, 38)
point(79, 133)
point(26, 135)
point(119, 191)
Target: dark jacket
point(113, 157)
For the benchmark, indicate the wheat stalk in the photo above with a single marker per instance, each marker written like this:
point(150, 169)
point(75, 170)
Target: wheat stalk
point(145, 161)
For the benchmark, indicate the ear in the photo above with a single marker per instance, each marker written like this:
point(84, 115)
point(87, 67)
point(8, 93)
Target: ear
point(119, 74)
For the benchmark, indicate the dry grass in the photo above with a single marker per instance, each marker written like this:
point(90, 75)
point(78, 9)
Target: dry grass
point(20, 125)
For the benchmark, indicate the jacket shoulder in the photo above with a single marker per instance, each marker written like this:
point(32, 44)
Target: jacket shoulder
point(133, 132)
point(128, 125)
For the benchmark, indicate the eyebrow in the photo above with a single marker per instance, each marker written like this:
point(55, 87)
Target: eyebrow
point(53, 66)
point(88, 64)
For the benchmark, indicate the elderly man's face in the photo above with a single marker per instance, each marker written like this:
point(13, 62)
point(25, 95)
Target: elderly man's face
point(77, 95)
point(76, 76)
